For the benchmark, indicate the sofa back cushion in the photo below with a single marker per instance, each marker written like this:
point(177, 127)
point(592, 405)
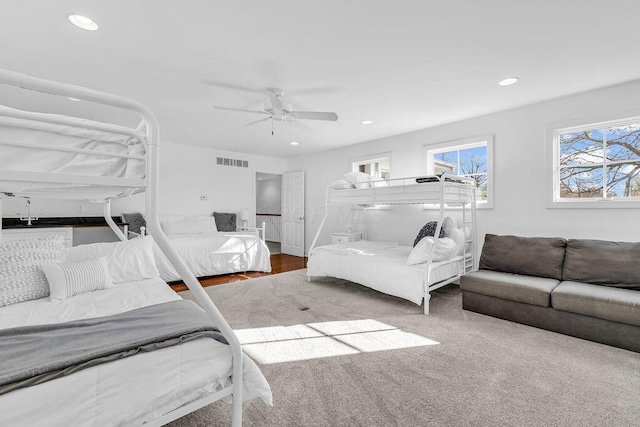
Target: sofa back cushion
point(600, 262)
point(529, 256)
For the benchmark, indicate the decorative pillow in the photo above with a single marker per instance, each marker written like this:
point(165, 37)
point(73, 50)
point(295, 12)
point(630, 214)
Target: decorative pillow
point(126, 261)
point(341, 184)
point(67, 279)
point(359, 179)
point(225, 221)
point(21, 278)
point(135, 221)
point(445, 249)
point(451, 230)
point(429, 229)
point(191, 225)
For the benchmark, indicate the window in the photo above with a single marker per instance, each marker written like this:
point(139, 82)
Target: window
point(378, 166)
point(470, 157)
point(598, 162)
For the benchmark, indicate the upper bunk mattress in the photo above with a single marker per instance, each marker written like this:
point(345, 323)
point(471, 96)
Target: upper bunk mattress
point(31, 157)
point(381, 266)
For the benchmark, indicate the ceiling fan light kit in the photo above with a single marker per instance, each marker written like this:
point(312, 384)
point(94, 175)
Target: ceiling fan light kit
point(276, 109)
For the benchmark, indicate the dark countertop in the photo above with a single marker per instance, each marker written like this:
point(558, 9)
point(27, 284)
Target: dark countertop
point(86, 221)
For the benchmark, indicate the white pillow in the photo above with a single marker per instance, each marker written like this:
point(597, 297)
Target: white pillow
point(341, 184)
point(191, 225)
point(359, 179)
point(21, 278)
point(126, 261)
point(452, 231)
point(445, 249)
point(67, 279)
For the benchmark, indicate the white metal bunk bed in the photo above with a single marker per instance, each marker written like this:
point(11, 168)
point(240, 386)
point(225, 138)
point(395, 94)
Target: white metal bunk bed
point(445, 191)
point(103, 189)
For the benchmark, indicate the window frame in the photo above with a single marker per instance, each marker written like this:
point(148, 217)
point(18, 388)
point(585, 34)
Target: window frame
point(553, 132)
point(461, 144)
point(355, 162)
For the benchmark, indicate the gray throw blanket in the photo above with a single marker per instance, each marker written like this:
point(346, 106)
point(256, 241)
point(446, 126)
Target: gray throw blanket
point(31, 355)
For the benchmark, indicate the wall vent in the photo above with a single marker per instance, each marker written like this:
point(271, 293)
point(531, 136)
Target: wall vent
point(223, 161)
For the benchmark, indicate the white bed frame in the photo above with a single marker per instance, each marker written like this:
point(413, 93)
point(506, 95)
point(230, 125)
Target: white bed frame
point(445, 191)
point(148, 133)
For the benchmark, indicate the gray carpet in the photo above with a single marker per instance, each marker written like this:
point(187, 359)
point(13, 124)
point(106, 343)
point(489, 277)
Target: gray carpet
point(485, 371)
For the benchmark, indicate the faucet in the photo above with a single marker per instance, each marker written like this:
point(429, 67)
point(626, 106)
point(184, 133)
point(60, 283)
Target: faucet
point(28, 218)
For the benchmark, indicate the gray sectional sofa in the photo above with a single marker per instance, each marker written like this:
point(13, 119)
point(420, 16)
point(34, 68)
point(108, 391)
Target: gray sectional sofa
point(585, 288)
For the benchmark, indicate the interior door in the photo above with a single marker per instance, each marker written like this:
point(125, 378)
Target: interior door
point(293, 214)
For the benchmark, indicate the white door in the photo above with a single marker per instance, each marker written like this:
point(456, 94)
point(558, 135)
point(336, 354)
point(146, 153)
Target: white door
point(293, 213)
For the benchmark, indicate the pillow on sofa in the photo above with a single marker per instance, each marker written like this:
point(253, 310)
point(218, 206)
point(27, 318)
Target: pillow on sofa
point(225, 221)
point(601, 262)
point(445, 249)
point(529, 256)
point(429, 229)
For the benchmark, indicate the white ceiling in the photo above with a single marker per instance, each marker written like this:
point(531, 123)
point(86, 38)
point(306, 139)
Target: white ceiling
point(406, 65)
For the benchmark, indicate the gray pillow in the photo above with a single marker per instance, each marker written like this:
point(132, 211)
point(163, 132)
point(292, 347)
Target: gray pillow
point(601, 262)
point(225, 221)
point(429, 229)
point(528, 256)
point(134, 221)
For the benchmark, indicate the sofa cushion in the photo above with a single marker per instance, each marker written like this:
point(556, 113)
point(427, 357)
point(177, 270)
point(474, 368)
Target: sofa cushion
point(603, 263)
point(509, 286)
point(617, 305)
point(529, 256)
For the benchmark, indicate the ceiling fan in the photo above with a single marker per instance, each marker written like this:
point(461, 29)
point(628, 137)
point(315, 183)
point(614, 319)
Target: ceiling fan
point(276, 109)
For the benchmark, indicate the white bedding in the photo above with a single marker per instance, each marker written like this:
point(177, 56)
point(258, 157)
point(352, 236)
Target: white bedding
point(128, 391)
point(45, 161)
point(381, 266)
point(215, 253)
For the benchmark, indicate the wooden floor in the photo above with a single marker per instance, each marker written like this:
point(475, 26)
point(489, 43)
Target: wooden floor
point(280, 263)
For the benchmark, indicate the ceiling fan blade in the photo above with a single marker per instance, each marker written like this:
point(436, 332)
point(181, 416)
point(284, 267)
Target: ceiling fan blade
point(234, 87)
point(315, 115)
point(240, 110)
point(257, 121)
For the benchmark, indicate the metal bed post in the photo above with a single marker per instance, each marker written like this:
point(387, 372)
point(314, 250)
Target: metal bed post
point(324, 218)
point(112, 224)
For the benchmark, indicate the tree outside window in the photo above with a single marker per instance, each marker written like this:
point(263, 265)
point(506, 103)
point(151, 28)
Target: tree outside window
point(599, 162)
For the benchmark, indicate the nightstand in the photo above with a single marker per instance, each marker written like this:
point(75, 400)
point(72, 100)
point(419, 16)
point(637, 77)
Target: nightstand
point(345, 237)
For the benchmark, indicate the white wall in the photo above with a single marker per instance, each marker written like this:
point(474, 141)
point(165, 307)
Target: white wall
point(520, 168)
point(186, 172)
point(268, 198)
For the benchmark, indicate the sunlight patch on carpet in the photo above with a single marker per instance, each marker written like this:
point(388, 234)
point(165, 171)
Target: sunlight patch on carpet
point(279, 344)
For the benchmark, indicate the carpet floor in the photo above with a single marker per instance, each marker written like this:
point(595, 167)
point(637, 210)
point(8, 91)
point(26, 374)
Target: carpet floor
point(467, 370)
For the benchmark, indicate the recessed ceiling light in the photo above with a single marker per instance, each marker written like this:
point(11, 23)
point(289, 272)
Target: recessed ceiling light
point(366, 122)
point(508, 81)
point(74, 99)
point(294, 143)
point(82, 22)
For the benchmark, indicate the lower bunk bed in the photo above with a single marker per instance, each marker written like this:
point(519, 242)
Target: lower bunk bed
point(160, 377)
point(383, 266)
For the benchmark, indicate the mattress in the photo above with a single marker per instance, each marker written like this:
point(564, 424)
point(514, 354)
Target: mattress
point(403, 191)
point(130, 391)
point(380, 266)
point(35, 159)
point(211, 254)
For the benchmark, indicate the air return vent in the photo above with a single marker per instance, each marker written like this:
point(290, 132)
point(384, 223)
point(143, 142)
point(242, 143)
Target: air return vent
point(223, 161)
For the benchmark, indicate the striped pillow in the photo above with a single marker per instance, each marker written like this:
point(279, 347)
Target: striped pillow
point(21, 278)
point(75, 278)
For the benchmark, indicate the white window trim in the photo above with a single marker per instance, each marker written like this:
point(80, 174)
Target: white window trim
point(370, 159)
point(470, 143)
point(552, 133)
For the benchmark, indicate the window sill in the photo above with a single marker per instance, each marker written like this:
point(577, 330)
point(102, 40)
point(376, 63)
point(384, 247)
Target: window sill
point(594, 204)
